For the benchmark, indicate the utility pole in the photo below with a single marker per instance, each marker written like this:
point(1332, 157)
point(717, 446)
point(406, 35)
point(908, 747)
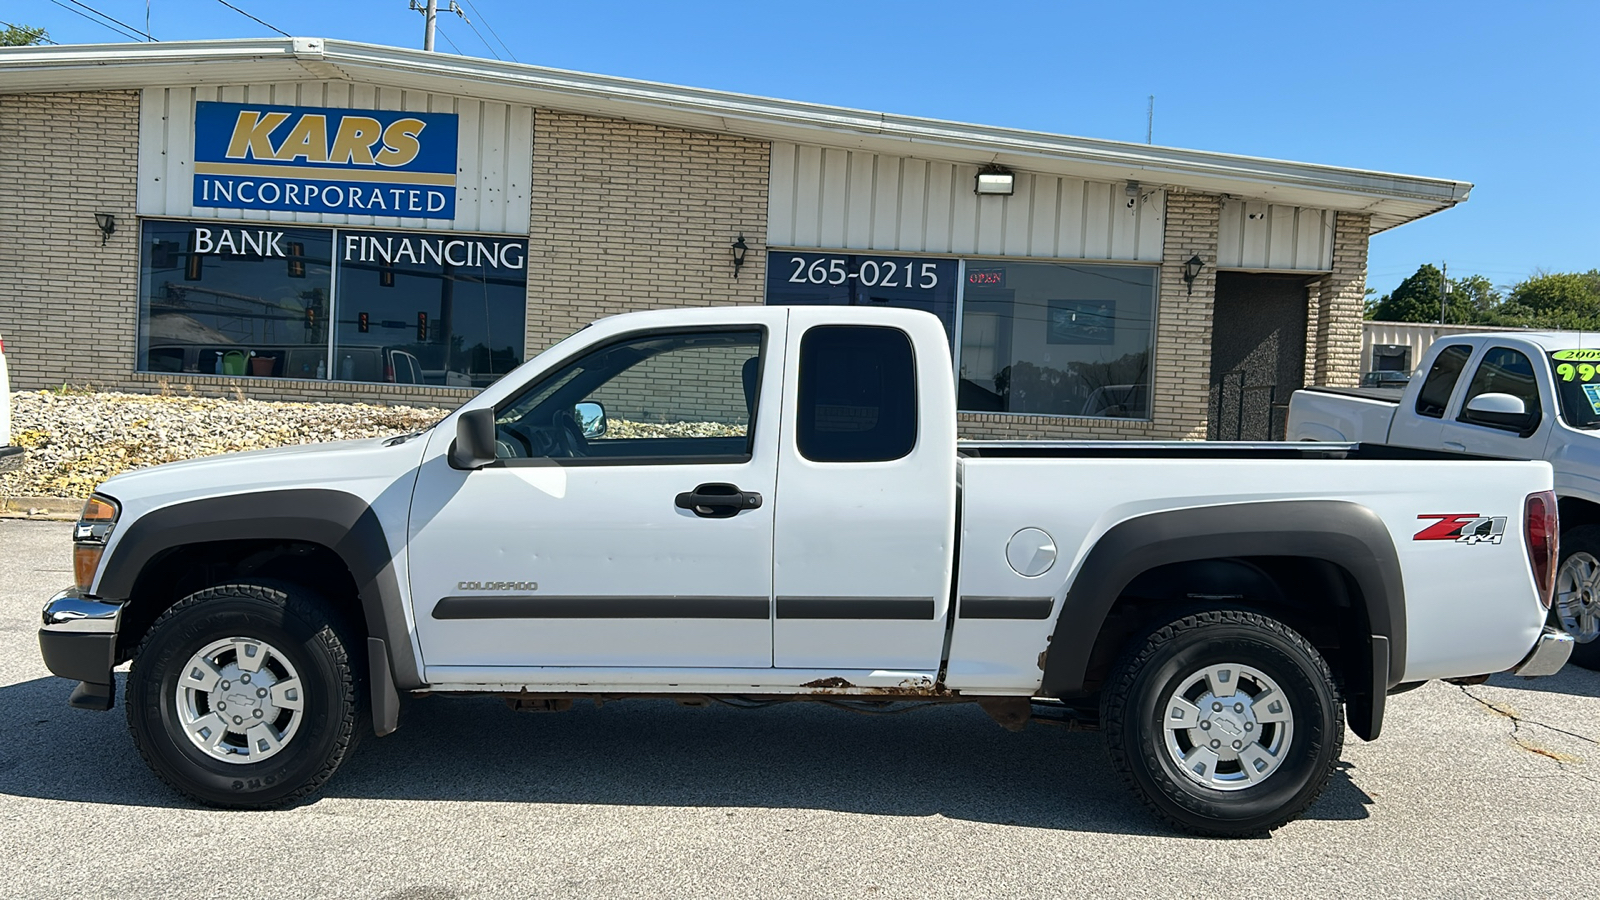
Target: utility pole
point(431, 14)
point(1150, 120)
point(1444, 288)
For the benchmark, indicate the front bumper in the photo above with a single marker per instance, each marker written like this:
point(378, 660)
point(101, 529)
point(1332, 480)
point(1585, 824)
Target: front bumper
point(79, 641)
point(1547, 656)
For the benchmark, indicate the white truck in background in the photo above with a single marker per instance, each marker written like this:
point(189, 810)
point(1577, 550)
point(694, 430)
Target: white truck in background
point(1508, 394)
point(769, 504)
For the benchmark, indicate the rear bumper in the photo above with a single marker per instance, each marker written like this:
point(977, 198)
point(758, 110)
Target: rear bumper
point(10, 458)
point(78, 640)
point(1547, 656)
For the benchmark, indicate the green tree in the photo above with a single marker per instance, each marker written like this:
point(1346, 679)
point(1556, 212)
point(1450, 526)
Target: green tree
point(1569, 300)
point(22, 36)
point(1415, 300)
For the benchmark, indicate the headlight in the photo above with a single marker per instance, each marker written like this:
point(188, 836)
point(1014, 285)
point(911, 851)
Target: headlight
point(89, 538)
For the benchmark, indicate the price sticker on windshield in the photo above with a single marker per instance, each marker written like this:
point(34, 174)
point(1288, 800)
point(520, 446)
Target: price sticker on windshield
point(1577, 365)
point(1592, 392)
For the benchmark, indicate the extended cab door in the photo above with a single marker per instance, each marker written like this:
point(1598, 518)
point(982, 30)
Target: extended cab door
point(1421, 413)
point(867, 492)
point(628, 517)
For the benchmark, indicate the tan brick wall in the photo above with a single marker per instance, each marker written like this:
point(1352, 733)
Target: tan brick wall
point(1182, 365)
point(629, 216)
point(1339, 306)
point(68, 312)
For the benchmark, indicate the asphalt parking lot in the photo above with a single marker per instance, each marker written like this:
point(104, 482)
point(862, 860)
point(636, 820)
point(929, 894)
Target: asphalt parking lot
point(1484, 791)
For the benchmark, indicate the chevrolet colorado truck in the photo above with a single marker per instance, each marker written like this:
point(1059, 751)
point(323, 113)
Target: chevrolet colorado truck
point(763, 504)
point(1530, 395)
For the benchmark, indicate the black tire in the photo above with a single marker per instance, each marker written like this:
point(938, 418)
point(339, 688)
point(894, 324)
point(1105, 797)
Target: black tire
point(1582, 539)
point(1133, 709)
point(299, 629)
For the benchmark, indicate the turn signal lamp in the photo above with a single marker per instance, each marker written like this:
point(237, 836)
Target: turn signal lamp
point(1542, 528)
point(89, 538)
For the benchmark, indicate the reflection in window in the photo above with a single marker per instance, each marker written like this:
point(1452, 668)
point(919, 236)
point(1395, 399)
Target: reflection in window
point(428, 308)
point(1062, 339)
point(225, 299)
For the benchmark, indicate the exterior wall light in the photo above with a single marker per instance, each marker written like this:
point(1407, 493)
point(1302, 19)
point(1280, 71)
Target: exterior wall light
point(1191, 270)
point(994, 180)
point(739, 250)
point(108, 226)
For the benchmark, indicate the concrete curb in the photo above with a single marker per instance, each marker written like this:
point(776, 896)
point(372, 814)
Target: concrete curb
point(59, 509)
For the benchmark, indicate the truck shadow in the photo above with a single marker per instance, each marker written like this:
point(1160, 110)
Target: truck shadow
point(947, 761)
point(1573, 680)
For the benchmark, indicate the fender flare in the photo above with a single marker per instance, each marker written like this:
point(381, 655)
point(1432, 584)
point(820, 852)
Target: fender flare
point(340, 521)
point(1343, 533)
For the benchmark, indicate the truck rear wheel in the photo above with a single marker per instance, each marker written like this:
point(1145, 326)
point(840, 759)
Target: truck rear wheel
point(244, 696)
point(1577, 603)
point(1225, 722)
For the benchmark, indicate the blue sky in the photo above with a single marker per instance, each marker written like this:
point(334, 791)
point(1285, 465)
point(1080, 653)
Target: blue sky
point(1503, 95)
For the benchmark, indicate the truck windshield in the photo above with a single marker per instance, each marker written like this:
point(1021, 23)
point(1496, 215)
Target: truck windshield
point(1577, 377)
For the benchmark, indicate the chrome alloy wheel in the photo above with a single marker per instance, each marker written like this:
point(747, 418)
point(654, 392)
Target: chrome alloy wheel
point(1228, 727)
point(240, 700)
point(1578, 597)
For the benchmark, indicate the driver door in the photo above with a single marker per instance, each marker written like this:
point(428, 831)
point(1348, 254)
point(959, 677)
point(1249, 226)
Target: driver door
point(575, 549)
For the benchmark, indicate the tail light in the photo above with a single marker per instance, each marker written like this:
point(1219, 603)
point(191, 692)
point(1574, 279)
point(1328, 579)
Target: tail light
point(1541, 527)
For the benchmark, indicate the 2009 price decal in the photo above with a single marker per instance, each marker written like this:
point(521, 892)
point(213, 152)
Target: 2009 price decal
point(871, 272)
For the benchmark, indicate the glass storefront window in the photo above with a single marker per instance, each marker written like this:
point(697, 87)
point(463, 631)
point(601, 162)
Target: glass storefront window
point(429, 308)
point(1059, 339)
point(225, 299)
point(796, 278)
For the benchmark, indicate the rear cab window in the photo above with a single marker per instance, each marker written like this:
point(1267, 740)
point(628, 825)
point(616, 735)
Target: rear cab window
point(1441, 380)
point(857, 396)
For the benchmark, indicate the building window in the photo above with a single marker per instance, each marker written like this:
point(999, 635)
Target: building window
point(796, 278)
point(223, 298)
point(429, 308)
point(1055, 338)
point(226, 299)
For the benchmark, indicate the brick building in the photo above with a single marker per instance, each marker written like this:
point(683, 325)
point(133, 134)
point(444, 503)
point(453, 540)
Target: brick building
point(314, 219)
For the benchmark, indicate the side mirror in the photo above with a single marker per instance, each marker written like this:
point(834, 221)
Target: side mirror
point(591, 418)
point(1500, 411)
point(474, 444)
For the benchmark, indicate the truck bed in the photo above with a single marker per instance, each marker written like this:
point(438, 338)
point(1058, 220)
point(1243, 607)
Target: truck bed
point(1198, 450)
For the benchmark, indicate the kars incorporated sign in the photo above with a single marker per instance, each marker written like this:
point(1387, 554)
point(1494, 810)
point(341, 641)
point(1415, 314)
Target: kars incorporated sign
point(311, 159)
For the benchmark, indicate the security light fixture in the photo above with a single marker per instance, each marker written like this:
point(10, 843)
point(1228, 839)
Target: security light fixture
point(995, 180)
point(739, 250)
point(108, 226)
point(1131, 189)
point(1191, 270)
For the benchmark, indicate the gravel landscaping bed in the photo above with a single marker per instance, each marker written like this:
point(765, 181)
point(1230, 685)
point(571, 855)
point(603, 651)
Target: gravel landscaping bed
point(76, 440)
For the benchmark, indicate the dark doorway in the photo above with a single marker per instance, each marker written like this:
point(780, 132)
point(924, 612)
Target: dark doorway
point(1258, 354)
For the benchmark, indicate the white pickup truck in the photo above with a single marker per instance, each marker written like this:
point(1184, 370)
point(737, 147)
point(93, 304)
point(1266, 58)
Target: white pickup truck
point(1530, 395)
point(761, 504)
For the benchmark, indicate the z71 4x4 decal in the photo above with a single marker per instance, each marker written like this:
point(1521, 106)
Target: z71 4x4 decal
point(1463, 528)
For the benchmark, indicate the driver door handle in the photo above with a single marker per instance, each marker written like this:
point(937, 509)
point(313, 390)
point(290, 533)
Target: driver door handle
point(717, 500)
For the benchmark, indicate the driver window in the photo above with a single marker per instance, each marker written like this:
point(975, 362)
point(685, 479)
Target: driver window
point(1504, 371)
point(654, 398)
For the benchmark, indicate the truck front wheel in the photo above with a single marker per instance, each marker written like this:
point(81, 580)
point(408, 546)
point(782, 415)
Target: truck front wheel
point(1225, 722)
point(1577, 603)
point(244, 696)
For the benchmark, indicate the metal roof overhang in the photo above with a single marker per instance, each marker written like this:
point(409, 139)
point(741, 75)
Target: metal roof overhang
point(1390, 199)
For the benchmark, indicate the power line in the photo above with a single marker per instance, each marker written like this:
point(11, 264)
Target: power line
point(492, 31)
point(106, 17)
point(480, 36)
point(253, 18)
point(41, 38)
point(448, 41)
